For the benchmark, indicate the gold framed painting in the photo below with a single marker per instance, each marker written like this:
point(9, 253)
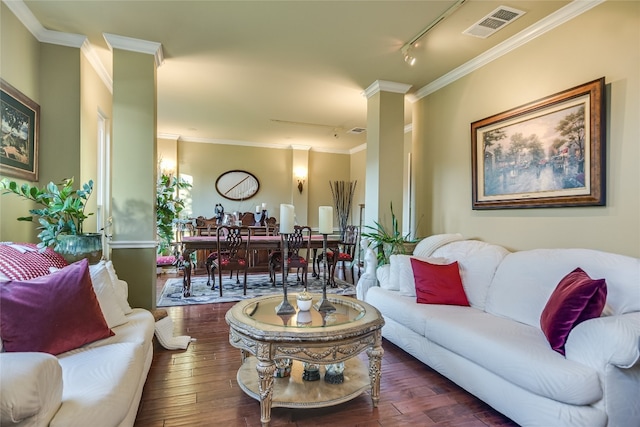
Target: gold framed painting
point(549, 153)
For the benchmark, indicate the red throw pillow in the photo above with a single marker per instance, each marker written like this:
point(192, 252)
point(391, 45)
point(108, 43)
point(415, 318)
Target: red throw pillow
point(577, 298)
point(53, 313)
point(24, 261)
point(438, 284)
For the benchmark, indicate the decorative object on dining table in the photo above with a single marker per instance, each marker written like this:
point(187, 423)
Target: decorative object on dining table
point(334, 373)
point(219, 212)
point(286, 227)
point(260, 217)
point(325, 215)
point(342, 193)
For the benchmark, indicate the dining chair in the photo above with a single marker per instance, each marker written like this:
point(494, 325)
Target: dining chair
point(298, 250)
point(233, 253)
point(345, 254)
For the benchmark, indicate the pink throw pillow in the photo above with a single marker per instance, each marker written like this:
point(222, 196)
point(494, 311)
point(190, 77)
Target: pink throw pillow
point(438, 284)
point(577, 298)
point(53, 313)
point(24, 261)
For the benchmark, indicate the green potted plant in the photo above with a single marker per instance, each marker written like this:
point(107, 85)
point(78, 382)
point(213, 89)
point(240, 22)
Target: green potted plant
point(61, 215)
point(388, 242)
point(168, 208)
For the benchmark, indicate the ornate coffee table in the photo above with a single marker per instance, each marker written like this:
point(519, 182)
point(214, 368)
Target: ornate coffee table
point(312, 337)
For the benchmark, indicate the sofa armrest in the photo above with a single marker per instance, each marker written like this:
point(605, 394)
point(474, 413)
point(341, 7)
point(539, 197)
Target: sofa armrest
point(609, 340)
point(30, 390)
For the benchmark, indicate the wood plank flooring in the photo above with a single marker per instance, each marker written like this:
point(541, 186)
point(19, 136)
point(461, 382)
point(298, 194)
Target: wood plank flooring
point(197, 387)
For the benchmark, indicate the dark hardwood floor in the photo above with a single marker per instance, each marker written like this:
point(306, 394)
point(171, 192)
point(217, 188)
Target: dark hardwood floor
point(197, 387)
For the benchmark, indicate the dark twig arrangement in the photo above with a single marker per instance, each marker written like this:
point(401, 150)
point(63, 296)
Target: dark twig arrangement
point(342, 192)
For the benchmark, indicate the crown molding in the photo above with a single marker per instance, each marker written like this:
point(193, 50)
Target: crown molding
point(386, 86)
point(171, 136)
point(31, 23)
point(359, 148)
point(28, 19)
point(231, 142)
point(91, 55)
point(135, 45)
point(300, 147)
point(562, 15)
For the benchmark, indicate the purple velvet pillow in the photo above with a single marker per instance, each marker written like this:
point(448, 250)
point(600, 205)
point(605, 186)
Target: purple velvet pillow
point(53, 313)
point(577, 298)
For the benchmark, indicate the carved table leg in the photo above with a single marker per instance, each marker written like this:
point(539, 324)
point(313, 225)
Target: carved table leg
point(186, 279)
point(375, 361)
point(265, 369)
point(315, 259)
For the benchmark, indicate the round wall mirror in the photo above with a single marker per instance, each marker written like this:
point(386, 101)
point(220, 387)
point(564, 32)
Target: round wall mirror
point(237, 185)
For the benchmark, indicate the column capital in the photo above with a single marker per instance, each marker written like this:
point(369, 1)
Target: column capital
point(115, 41)
point(386, 86)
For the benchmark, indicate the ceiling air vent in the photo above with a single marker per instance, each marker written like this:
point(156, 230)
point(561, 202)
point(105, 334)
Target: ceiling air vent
point(493, 22)
point(357, 130)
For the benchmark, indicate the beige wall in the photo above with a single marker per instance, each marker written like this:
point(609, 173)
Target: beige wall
point(325, 168)
point(602, 42)
point(203, 163)
point(19, 64)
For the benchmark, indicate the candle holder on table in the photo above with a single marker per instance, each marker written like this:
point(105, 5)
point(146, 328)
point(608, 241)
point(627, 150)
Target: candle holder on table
point(285, 306)
point(324, 305)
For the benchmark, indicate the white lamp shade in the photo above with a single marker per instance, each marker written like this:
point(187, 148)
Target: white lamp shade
point(325, 215)
point(287, 219)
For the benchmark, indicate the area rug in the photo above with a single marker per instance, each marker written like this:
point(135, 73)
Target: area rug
point(257, 285)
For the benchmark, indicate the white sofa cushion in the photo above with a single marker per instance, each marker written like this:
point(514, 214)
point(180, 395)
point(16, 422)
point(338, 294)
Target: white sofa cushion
point(120, 287)
point(402, 309)
point(99, 385)
point(478, 262)
point(516, 352)
point(525, 280)
point(401, 273)
point(107, 298)
point(427, 246)
point(30, 388)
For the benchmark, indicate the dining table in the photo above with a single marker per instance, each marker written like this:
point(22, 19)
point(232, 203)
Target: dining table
point(191, 244)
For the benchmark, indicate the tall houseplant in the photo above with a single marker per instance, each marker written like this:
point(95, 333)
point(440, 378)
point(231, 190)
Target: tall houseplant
point(388, 242)
point(61, 214)
point(168, 208)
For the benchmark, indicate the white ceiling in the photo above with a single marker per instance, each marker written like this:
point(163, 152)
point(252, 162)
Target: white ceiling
point(233, 67)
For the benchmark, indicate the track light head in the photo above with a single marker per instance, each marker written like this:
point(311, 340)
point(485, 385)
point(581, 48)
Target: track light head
point(409, 59)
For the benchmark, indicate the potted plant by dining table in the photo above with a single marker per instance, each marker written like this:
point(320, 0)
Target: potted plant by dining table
point(61, 214)
point(169, 204)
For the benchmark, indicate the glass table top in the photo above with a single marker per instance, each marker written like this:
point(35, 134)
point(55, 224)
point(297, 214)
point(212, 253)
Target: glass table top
point(264, 311)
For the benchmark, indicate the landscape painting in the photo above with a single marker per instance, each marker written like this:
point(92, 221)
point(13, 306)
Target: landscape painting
point(20, 118)
point(541, 155)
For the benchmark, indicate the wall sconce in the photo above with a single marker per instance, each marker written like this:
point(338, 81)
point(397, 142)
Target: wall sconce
point(167, 167)
point(301, 174)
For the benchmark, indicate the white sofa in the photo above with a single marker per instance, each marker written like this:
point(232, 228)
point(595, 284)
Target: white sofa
point(495, 348)
point(98, 384)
